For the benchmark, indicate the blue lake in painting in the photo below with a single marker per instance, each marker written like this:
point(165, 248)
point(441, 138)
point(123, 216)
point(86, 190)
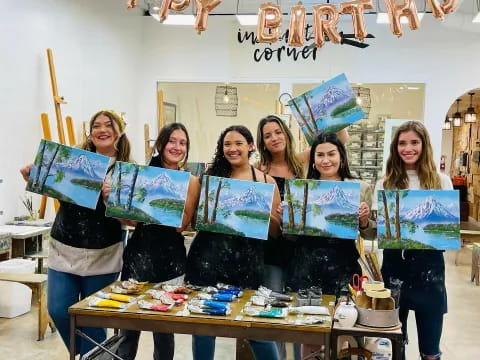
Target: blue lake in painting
point(250, 227)
point(83, 195)
point(164, 216)
point(438, 241)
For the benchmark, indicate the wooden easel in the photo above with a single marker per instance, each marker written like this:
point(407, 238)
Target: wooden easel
point(146, 129)
point(47, 135)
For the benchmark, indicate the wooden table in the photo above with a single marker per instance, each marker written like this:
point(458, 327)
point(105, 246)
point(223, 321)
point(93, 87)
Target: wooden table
point(26, 239)
point(236, 325)
point(469, 233)
point(38, 284)
point(394, 335)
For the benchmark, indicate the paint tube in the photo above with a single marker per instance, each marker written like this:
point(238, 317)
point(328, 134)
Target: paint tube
point(218, 297)
point(267, 293)
point(228, 287)
point(230, 290)
point(259, 300)
point(311, 310)
point(177, 296)
point(142, 304)
point(210, 304)
point(116, 297)
point(176, 289)
point(198, 310)
point(99, 302)
point(236, 292)
point(310, 320)
point(269, 313)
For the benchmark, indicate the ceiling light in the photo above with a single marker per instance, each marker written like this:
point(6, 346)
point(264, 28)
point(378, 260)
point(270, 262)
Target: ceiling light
point(447, 125)
point(382, 18)
point(247, 20)
point(457, 117)
point(470, 114)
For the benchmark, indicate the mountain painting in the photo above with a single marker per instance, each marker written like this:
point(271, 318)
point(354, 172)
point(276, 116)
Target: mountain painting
point(68, 174)
point(148, 194)
point(418, 219)
point(321, 208)
point(329, 107)
point(235, 207)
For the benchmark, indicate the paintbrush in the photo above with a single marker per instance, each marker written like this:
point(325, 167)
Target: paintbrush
point(374, 258)
point(372, 267)
point(365, 268)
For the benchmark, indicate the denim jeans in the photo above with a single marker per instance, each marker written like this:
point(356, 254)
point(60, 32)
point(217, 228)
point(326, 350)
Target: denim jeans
point(203, 348)
point(164, 345)
point(66, 289)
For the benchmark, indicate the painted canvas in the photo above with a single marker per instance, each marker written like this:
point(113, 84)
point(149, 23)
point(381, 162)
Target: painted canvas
point(68, 174)
point(321, 208)
point(195, 168)
point(236, 207)
point(329, 107)
point(418, 219)
point(148, 194)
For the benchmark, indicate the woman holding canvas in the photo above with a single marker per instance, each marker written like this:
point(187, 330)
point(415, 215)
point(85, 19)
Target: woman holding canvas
point(85, 250)
point(156, 253)
point(419, 275)
point(234, 260)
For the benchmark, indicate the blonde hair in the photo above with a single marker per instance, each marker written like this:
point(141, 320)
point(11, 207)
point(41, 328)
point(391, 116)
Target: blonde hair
point(122, 144)
point(396, 175)
point(293, 162)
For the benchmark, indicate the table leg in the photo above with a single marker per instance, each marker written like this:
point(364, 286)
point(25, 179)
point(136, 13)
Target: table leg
point(73, 327)
point(43, 318)
point(397, 348)
point(243, 351)
point(333, 346)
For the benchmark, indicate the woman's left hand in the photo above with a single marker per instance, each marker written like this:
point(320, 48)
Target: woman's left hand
point(363, 214)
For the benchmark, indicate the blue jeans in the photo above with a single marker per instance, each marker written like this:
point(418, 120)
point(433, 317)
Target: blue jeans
point(66, 289)
point(203, 348)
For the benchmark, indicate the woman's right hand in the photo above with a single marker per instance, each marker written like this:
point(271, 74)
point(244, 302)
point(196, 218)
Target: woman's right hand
point(25, 171)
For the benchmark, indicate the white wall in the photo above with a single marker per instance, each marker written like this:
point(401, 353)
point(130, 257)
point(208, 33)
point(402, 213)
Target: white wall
point(106, 57)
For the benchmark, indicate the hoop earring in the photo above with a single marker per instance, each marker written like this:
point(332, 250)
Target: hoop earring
point(313, 166)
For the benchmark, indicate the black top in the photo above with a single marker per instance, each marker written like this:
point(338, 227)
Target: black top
point(81, 227)
point(413, 274)
point(281, 185)
point(325, 262)
point(155, 253)
point(235, 260)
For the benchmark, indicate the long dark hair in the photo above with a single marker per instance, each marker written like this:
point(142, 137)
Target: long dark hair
point(332, 138)
point(220, 165)
point(162, 141)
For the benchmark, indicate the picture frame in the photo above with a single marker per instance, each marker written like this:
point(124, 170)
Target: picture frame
point(169, 113)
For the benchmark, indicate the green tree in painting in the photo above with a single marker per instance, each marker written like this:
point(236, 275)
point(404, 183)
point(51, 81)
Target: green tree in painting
point(131, 190)
point(306, 185)
point(398, 196)
point(222, 184)
point(141, 194)
point(288, 197)
point(206, 199)
point(39, 163)
point(310, 112)
point(119, 183)
point(60, 153)
point(304, 121)
point(388, 234)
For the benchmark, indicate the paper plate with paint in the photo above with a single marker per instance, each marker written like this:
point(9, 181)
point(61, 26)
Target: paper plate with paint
point(418, 219)
point(321, 208)
point(68, 174)
point(235, 207)
point(148, 194)
point(329, 107)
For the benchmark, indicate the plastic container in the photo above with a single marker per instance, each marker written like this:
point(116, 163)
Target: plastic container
point(15, 298)
point(17, 266)
point(380, 348)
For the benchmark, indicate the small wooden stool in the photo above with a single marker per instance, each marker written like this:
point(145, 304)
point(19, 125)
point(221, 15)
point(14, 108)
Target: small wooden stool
point(476, 263)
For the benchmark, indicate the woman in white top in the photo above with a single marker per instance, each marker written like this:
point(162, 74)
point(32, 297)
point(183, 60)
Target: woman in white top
point(419, 275)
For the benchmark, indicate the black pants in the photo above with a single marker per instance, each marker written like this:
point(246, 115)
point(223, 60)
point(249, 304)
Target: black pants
point(429, 330)
point(164, 345)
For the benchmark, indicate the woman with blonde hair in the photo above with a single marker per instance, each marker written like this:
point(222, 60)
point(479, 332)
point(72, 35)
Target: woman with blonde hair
point(418, 275)
point(85, 250)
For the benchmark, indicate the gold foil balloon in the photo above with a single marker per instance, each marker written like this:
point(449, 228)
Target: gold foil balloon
point(395, 11)
point(296, 29)
point(356, 8)
point(439, 10)
point(131, 4)
point(327, 26)
point(176, 5)
point(269, 20)
point(203, 9)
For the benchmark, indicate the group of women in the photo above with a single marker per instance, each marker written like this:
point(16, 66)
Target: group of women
point(86, 248)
